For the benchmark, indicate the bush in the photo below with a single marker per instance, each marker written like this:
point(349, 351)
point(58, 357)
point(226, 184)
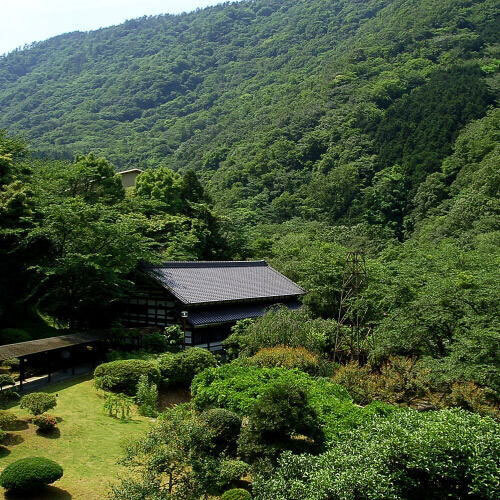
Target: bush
point(30, 474)
point(45, 422)
point(155, 342)
point(8, 395)
point(38, 402)
point(174, 337)
point(123, 375)
point(407, 455)
point(236, 494)
point(287, 357)
point(13, 336)
point(281, 327)
point(231, 471)
point(223, 430)
point(147, 397)
point(12, 363)
point(5, 380)
point(7, 420)
point(180, 368)
point(236, 387)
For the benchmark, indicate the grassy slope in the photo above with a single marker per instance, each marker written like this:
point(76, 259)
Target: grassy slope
point(88, 446)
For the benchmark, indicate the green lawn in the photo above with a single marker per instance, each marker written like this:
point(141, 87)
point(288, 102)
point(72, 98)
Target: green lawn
point(87, 446)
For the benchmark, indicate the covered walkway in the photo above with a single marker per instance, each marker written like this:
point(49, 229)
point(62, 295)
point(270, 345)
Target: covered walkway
point(54, 353)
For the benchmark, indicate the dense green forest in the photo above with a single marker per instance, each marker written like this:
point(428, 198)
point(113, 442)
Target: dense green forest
point(340, 140)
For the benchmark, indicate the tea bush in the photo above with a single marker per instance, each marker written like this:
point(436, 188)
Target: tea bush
point(408, 455)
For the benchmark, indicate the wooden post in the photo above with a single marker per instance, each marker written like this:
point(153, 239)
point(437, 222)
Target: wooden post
point(49, 370)
point(21, 373)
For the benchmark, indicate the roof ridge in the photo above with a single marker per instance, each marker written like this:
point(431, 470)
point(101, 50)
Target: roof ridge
point(207, 263)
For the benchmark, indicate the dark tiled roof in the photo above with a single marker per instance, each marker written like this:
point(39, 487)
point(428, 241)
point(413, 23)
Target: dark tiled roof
point(231, 312)
point(210, 282)
point(42, 345)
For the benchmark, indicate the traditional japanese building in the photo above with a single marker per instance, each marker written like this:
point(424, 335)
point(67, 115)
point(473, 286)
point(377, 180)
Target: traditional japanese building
point(207, 298)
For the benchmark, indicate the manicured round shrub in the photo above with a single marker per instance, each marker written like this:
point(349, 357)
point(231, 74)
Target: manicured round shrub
point(287, 357)
point(30, 474)
point(180, 368)
point(13, 336)
point(38, 402)
point(123, 375)
point(45, 422)
point(7, 420)
point(236, 494)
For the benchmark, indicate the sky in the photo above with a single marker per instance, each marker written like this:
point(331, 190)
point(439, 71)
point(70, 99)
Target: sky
point(26, 21)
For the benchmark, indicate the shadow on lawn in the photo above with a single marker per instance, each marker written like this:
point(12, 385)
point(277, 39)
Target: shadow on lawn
point(47, 493)
point(53, 434)
point(4, 451)
point(17, 425)
point(13, 439)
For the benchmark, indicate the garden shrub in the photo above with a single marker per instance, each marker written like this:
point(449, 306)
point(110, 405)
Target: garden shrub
point(12, 363)
point(8, 395)
point(123, 375)
point(236, 494)
point(174, 337)
point(7, 420)
point(13, 336)
point(3, 435)
point(180, 368)
point(45, 423)
point(115, 355)
point(287, 357)
point(118, 405)
point(30, 474)
point(280, 327)
point(147, 397)
point(5, 380)
point(468, 396)
point(237, 387)
point(223, 428)
point(231, 471)
point(155, 343)
point(407, 382)
point(38, 402)
point(407, 455)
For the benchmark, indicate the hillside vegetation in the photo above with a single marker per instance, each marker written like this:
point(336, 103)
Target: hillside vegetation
point(275, 102)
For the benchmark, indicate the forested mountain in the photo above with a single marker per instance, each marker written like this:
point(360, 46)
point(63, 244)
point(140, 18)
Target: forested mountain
point(275, 103)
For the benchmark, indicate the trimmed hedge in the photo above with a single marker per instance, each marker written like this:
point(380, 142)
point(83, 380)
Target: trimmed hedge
point(29, 474)
point(180, 368)
point(38, 402)
point(236, 494)
point(123, 375)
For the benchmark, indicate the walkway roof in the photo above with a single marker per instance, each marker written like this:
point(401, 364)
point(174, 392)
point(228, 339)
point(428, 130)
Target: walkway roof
point(42, 345)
